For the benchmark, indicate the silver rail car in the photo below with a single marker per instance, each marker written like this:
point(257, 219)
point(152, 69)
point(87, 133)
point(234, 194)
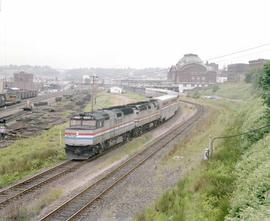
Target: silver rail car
point(90, 134)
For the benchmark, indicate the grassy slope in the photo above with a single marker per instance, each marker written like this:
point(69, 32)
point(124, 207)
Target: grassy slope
point(250, 200)
point(27, 156)
point(240, 91)
point(216, 187)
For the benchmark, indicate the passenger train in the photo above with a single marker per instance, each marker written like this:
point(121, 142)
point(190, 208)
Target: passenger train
point(90, 134)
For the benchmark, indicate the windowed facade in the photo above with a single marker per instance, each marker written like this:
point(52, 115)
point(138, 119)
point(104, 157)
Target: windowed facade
point(192, 69)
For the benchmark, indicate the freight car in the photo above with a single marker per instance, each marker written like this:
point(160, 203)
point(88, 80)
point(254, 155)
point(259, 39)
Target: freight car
point(15, 96)
point(27, 94)
point(90, 134)
point(12, 98)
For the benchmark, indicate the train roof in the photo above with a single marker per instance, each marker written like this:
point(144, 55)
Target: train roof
point(106, 112)
point(129, 108)
point(97, 115)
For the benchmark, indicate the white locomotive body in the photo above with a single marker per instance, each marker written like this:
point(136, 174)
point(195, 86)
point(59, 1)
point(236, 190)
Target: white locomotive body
point(90, 134)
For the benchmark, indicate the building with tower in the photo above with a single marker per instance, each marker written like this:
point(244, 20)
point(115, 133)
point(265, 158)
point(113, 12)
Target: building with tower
point(193, 72)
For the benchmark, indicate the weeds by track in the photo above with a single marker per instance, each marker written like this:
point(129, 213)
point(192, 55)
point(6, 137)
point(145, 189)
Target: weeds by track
point(76, 206)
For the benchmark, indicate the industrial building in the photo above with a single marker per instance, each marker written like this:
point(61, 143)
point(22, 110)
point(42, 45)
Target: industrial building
point(237, 72)
point(24, 81)
point(255, 65)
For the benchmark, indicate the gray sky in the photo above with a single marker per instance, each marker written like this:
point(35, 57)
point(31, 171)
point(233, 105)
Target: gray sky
point(130, 33)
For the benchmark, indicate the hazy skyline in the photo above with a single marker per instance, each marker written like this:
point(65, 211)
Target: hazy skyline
point(125, 33)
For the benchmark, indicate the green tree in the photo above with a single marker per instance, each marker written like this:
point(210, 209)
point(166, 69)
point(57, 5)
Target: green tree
point(264, 85)
point(253, 77)
point(215, 88)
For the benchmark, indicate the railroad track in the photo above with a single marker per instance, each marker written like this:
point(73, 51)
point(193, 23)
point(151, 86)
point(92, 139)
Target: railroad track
point(6, 112)
point(18, 190)
point(9, 194)
point(11, 117)
point(73, 208)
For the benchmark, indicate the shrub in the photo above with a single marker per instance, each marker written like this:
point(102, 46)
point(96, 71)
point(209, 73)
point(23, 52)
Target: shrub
point(215, 88)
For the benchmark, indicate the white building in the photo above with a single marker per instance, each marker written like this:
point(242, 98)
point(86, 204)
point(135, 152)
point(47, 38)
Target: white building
point(116, 90)
point(86, 79)
point(184, 87)
point(222, 79)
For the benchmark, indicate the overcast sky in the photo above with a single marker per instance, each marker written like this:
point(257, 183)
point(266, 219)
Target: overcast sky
point(130, 33)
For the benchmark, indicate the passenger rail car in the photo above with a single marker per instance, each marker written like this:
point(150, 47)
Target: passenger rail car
point(90, 134)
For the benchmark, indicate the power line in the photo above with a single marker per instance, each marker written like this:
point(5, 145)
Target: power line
point(240, 51)
point(243, 55)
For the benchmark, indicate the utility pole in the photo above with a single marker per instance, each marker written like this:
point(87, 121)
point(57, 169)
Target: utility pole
point(93, 92)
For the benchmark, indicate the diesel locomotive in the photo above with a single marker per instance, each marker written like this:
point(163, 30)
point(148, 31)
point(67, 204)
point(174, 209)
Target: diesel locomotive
point(90, 134)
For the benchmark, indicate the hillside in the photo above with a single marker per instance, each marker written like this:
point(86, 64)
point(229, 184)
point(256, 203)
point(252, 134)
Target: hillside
point(234, 184)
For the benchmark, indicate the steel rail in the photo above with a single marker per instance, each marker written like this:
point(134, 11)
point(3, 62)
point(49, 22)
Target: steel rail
point(74, 207)
point(10, 193)
point(17, 190)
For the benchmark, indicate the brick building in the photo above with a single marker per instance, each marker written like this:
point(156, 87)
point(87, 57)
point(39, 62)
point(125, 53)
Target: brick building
point(191, 70)
point(24, 81)
point(255, 65)
point(237, 72)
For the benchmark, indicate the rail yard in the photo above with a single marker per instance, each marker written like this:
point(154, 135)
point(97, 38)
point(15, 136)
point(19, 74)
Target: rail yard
point(23, 124)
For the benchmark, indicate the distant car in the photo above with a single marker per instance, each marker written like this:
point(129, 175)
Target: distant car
point(212, 97)
point(116, 90)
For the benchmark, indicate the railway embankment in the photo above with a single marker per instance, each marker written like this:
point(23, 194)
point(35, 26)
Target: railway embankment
point(234, 183)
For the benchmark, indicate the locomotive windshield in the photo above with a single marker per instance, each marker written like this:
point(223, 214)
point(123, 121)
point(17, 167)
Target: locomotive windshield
point(89, 124)
point(78, 121)
point(88, 120)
